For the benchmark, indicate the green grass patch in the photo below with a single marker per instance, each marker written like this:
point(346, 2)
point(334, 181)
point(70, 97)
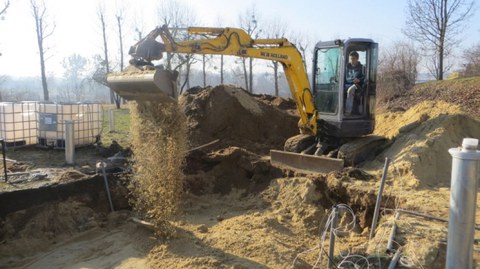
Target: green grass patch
point(121, 132)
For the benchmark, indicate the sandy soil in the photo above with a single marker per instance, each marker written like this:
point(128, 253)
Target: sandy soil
point(239, 212)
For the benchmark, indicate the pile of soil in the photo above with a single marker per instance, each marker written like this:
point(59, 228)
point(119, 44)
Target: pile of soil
point(421, 137)
point(33, 229)
point(221, 171)
point(237, 118)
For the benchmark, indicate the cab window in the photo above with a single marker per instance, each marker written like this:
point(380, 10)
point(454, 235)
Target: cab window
point(327, 79)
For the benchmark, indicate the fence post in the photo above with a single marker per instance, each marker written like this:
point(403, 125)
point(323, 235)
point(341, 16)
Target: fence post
point(111, 120)
point(69, 142)
point(4, 159)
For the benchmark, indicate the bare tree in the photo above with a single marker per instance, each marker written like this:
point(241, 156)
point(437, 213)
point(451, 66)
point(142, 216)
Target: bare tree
point(304, 44)
point(3, 10)
point(44, 30)
point(119, 18)
point(178, 16)
point(138, 23)
point(276, 29)
point(205, 60)
point(219, 23)
point(249, 22)
point(74, 67)
point(100, 74)
point(435, 24)
point(472, 61)
point(398, 69)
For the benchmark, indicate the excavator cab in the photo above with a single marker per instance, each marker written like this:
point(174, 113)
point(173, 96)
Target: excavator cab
point(344, 114)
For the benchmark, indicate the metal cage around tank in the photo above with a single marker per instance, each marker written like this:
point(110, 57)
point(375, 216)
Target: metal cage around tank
point(18, 123)
point(87, 119)
point(43, 124)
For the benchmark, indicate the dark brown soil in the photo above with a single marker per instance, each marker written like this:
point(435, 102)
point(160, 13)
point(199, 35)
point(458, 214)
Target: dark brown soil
point(238, 118)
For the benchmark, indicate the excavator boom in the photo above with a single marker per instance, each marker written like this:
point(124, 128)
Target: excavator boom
point(143, 82)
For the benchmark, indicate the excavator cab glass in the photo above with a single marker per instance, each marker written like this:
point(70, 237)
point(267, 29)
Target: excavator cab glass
point(343, 86)
point(327, 79)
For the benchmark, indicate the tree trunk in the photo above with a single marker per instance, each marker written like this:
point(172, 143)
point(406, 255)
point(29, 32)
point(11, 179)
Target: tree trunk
point(221, 69)
point(105, 54)
point(39, 23)
point(121, 41)
point(245, 74)
point(118, 99)
point(203, 71)
point(46, 96)
point(275, 73)
point(440, 64)
point(186, 82)
point(251, 75)
point(169, 61)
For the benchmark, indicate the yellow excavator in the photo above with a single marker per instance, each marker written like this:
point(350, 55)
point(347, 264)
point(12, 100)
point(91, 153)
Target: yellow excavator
point(331, 136)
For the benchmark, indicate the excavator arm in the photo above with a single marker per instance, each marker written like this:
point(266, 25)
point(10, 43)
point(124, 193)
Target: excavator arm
point(218, 41)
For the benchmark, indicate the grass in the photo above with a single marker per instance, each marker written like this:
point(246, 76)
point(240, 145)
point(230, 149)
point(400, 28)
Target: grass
point(121, 132)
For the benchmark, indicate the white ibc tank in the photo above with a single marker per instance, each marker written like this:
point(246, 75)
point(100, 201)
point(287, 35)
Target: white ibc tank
point(18, 123)
point(87, 120)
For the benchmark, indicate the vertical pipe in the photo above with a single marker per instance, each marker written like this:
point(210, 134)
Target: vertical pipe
point(333, 226)
point(463, 200)
point(69, 142)
point(393, 232)
point(107, 189)
point(4, 159)
point(379, 198)
point(111, 120)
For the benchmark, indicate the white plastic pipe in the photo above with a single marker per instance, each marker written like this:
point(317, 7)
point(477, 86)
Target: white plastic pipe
point(69, 142)
point(463, 200)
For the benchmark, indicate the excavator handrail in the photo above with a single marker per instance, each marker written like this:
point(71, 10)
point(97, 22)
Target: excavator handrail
point(237, 42)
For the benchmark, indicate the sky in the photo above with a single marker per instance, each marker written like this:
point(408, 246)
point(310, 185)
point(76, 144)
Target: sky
point(77, 27)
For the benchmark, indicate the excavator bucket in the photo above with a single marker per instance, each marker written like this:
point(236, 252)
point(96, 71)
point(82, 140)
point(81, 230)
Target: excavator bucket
point(305, 162)
point(150, 85)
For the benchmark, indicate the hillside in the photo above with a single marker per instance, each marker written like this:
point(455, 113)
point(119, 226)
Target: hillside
point(462, 92)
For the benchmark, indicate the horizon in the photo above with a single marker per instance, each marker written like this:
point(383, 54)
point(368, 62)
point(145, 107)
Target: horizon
point(379, 20)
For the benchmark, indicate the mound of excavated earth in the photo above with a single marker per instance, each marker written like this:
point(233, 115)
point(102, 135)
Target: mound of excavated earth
point(421, 137)
point(237, 118)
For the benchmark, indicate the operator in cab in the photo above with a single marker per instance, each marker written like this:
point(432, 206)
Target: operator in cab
point(353, 83)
